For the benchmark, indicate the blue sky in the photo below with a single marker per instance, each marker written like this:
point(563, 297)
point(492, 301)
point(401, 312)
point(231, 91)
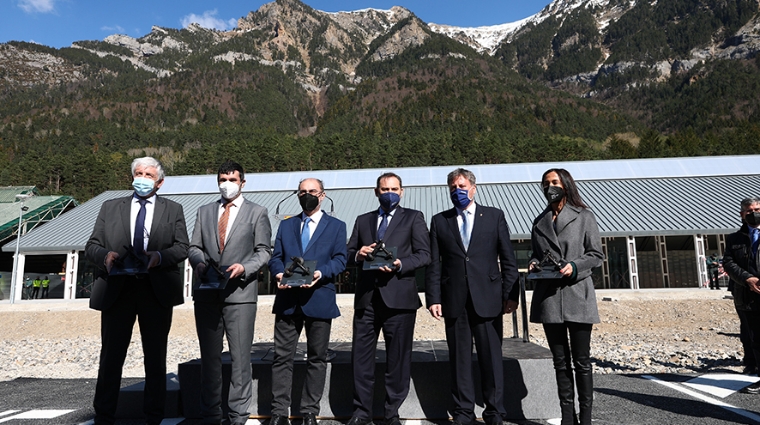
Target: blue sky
point(58, 23)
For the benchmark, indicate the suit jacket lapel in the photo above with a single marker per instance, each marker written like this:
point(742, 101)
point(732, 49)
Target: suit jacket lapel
point(373, 224)
point(323, 223)
point(545, 226)
point(236, 224)
point(397, 217)
point(126, 218)
point(454, 226)
point(158, 212)
point(568, 215)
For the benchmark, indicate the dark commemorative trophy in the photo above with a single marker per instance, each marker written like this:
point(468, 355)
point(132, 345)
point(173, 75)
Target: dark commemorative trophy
point(214, 277)
point(548, 268)
point(381, 256)
point(130, 264)
point(299, 272)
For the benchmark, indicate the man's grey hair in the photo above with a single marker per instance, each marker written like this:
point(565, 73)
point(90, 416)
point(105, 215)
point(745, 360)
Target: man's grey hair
point(460, 172)
point(748, 202)
point(149, 161)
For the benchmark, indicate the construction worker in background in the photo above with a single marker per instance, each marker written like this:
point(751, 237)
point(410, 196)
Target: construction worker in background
point(45, 287)
point(36, 287)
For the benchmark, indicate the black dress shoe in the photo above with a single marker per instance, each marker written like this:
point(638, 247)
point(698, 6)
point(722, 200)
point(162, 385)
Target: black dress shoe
point(749, 370)
point(752, 389)
point(359, 421)
point(309, 419)
point(279, 420)
point(393, 421)
point(458, 422)
point(495, 421)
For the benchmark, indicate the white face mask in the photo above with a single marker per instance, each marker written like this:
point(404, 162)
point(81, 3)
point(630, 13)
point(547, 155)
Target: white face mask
point(229, 190)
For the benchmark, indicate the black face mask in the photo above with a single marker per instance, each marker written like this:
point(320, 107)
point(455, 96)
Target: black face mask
point(308, 202)
point(554, 194)
point(753, 218)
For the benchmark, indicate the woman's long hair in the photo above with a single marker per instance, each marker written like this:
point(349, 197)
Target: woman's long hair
point(572, 196)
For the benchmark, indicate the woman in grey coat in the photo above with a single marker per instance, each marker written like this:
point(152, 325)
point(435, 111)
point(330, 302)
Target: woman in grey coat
point(566, 306)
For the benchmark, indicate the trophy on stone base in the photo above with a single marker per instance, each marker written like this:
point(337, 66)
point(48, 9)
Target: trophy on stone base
point(549, 268)
point(381, 256)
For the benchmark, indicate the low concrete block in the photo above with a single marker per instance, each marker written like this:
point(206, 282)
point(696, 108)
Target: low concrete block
point(529, 383)
point(130, 405)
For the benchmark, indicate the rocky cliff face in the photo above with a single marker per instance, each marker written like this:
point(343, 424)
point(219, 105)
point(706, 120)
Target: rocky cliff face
point(25, 68)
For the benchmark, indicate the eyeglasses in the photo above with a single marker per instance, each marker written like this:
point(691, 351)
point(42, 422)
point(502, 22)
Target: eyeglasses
point(313, 192)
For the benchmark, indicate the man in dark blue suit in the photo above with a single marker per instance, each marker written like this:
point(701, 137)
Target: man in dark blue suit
point(386, 298)
point(469, 284)
point(313, 236)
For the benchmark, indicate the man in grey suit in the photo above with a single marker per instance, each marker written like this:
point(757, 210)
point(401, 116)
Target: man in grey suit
point(151, 228)
point(232, 235)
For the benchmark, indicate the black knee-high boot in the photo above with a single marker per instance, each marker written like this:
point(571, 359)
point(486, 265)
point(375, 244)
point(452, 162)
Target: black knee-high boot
point(566, 392)
point(585, 382)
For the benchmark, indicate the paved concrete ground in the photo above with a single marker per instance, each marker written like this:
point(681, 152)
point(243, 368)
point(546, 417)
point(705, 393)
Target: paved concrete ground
point(619, 399)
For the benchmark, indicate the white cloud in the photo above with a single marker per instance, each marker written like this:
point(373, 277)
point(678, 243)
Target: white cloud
point(37, 6)
point(116, 28)
point(208, 20)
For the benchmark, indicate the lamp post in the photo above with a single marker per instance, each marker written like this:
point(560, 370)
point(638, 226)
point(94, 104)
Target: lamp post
point(21, 210)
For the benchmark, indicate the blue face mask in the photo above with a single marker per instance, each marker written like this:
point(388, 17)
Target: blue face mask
point(389, 201)
point(460, 198)
point(143, 186)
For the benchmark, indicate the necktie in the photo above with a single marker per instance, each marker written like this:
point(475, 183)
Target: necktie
point(138, 242)
point(465, 230)
point(383, 226)
point(305, 234)
point(755, 235)
point(223, 220)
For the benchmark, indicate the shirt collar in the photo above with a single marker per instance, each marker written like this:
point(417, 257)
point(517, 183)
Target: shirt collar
point(236, 202)
point(470, 209)
point(314, 217)
point(381, 211)
point(151, 199)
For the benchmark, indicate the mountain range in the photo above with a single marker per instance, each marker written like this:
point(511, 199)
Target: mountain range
point(292, 87)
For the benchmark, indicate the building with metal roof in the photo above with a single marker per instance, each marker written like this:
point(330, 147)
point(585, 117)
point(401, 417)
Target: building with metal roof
point(657, 217)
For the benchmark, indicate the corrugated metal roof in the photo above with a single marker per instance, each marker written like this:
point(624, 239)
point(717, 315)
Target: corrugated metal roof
point(486, 174)
point(637, 207)
point(8, 193)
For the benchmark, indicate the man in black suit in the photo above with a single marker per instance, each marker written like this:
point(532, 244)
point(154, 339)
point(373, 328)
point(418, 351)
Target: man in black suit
point(152, 229)
point(464, 285)
point(386, 298)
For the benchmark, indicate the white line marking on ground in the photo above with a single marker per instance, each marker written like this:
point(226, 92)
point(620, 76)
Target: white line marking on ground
point(412, 422)
point(253, 422)
point(38, 414)
point(8, 412)
point(704, 398)
point(555, 421)
point(721, 384)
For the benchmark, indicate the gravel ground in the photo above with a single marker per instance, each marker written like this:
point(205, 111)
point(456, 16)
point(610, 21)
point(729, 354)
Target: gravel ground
point(647, 331)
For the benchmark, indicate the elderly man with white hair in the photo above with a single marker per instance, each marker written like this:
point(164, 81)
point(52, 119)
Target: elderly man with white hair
point(137, 244)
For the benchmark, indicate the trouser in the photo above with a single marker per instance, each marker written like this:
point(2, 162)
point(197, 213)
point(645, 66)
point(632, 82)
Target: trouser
point(713, 274)
point(136, 301)
point(745, 336)
point(212, 321)
point(398, 332)
point(487, 332)
point(753, 324)
point(570, 354)
point(287, 329)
